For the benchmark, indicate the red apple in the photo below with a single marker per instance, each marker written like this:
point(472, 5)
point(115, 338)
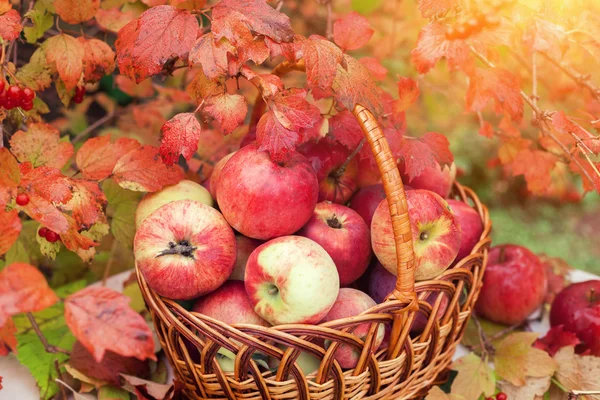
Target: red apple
point(577, 307)
point(420, 321)
point(185, 249)
point(368, 173)
point(381, 282)
point(436, 179)
point(291, 280)
point(229, 304)
point(514, 285)
point(336, 182)
point(263, 199)
point(344, 235)
point(470, 225)
point(216, 173)
point(245, 246)
point(351, 302)
point(435, 234)
point(366, 200)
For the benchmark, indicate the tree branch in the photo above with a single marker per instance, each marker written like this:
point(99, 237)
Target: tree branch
point(93, 126)
point(581, 80)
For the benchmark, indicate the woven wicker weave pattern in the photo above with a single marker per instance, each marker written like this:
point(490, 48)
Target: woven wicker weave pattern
point(405, 369)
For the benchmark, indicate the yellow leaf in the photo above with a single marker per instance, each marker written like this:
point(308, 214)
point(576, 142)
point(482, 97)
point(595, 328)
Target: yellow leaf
point(577, 372)
point(533, 389)
point(515, 359)
point(474, 377)
point(438, 394)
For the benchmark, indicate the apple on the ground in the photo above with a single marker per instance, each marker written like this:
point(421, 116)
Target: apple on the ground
point(213, 181)
point(245, 246)
point(471, 227)
point(291, 280)
point(181, 191)
point(344, 235)
point(514, 285)
point(185, 249)
point(435, 234)
point(337, 177)
point(436, 178)
point(351, 302)
point(263, 199)
point(577, 307)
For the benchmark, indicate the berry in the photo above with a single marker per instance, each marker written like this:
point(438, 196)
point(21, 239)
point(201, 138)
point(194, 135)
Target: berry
point(450, 33)
point(501, 396)
point(80, 91)
point(52, 236)
point(462, 32)
point(77, 99)
point(22, 199)
point(43, 231)
point(9, 104)
point(27, 95)
point(2, 85)
point(473, 23)
point(14, 94)
point(3, 99)
point(27, 106)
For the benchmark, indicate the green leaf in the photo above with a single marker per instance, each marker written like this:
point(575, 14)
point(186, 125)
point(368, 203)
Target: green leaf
point(112, 393)
point(121, 207)
point(42, 20)
point(64, 94)
point(366, 6)
point(48, 249)
point(37, 74)
point(17, 253)
point(135, 294)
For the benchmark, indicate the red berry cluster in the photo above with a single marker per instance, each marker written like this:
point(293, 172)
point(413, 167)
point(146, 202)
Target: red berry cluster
point(49, 235)
point(15, 96)
point(79, 93)
point(499, 396)
point(473, 25)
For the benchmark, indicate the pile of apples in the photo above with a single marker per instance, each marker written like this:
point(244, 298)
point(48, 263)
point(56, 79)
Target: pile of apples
point(295, 242)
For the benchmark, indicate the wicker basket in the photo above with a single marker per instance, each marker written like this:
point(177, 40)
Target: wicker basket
point(404, 369)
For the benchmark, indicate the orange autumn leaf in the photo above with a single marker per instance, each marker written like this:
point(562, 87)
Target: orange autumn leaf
point(408, 92)
point(143, 170)
point(98, 59)
point(23, 288)
point(76, 11)
point(536, 166)
point(10, 176)
point(41, 145)
point(10, 227)
point(67, 53)
point(113, 19)
point(8, 340)
point(352, 31)
point(97, 157)
point(321, 58)
point(229, 110)
point(212, 55)
point(10, 25)
point(497, 85)
point(378, 71)
point(102, 320)
point(432, 46)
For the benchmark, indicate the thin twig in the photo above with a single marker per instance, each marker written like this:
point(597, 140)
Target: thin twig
point(581, 80)
point(50, 348)
point(93, 126)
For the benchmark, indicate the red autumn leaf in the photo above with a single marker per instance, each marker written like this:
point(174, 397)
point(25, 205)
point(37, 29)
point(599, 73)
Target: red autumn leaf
point(8, 340)
point(41, 145)
point(419, 153)
point(67, 53)
point(179, 135)
point(345, 129)
point(159, 35)
point(76, 11)
point(352, 32)
point(256, 15)
point(228, 109)
point(556, 338)
point(587, 170)
point(10, 25)
point(354, 85)
point(87, 203)
point(378, 71)
point(97, 157)
point(212, 55)
point(536, 166)
point(432, 46)
point(98, 59)
point(23, 288)
point(291, 51)
point(567, 127)
point(408, 92)
point(143, 170)
point(431, 8)
point(293, 111)
point(268, 84)
point(545, 37)
point(102, 320)
point(10, 227)
point(321, 58)
point(275, 138)
point(486, 130)
point(495, 84)
point(113, 19)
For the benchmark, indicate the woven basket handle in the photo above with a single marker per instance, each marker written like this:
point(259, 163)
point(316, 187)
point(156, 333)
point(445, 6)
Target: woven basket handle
point(394, 191)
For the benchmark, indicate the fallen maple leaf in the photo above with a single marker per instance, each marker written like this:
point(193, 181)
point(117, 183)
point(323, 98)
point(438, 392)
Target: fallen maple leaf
point(67, 54)
point(432, 46)
point(426, 151)
point(228, 109)
point(321, 59)
point(179, 135)
point(10, 25)
point(102, 320)
point(159, 35)
point(533, 389)
point(10, 227)
point(97, 157)
point(76, 11)
point(408, 92)
point(499, 85)
point(475, 377)
point(378, 71)
point(555, 339)
point(577, 372)
point(41, 145)
point(98, 59)
point(23, 288)
point(516, 359)
point(352, 31)
point(142, 170)
point(354, 85)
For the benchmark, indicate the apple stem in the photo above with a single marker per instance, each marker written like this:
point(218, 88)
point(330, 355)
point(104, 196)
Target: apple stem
point(183, 248)
point(502, 256)
point(337, 174)
point(334, 222)
point(273, 290)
